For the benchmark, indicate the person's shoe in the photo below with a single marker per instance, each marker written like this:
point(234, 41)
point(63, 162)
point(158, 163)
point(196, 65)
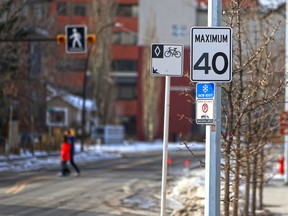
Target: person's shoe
point(77, 174)
point(60, 175)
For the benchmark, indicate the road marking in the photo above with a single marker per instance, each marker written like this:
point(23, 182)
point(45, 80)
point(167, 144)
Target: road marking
point(20, 186)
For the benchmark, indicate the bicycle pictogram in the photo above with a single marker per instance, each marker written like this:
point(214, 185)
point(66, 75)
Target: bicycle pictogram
point(171, 52)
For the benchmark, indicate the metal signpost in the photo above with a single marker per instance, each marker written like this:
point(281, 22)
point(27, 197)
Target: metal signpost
point(76, 38)
point(211, 61)
point(286, 100)
point(167, 60)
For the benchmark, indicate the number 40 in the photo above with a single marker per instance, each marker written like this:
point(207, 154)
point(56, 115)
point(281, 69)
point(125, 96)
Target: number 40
point(206, 67)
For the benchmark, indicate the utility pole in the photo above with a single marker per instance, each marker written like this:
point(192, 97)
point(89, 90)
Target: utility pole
point(84, 92)
point(72, 33)
point(286, 99)
point(213, 144)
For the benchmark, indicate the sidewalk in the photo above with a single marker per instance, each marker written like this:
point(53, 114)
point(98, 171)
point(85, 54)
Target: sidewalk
point(276, 196)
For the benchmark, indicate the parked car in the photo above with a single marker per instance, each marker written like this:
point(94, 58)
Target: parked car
point(108, 134)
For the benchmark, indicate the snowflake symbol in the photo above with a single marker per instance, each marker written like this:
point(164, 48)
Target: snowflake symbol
point(205, 88)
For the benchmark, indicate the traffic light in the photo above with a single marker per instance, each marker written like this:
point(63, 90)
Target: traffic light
point(61, 39)
point(91, 38)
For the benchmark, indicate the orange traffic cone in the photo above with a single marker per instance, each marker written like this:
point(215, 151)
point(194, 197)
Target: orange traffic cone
point(186, 163)
point(169, 161)
point(281, 165)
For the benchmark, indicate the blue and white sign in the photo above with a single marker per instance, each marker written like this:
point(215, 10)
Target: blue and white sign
point(205, 90)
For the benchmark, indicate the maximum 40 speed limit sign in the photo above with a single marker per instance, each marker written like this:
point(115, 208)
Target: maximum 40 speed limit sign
point(211, 54)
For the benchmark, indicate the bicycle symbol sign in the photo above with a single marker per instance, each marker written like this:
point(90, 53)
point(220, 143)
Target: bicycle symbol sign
point(167, 60)
point(171, 52)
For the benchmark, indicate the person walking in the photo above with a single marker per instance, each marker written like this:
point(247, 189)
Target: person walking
point(71, 140)
point(76, 37)
point(65, 156)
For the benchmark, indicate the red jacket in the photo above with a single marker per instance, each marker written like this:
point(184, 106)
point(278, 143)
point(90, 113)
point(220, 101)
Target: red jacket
point(65, 151)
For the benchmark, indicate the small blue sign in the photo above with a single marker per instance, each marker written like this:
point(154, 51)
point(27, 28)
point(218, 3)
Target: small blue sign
point(205, 90)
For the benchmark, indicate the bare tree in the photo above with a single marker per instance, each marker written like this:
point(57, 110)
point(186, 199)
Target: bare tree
point(24, 40)
point(250, 103)
point(100, 64)
point(151, 87)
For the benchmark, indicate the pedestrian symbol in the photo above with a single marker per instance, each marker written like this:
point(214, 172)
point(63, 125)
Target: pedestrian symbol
point(76, 38)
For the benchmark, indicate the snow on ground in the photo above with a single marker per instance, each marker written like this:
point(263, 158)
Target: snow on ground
point(186, 196)
point(26, 161)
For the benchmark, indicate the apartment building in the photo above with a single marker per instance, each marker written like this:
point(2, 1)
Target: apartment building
point(70, 69)
point(125, 64)
point(127, 51)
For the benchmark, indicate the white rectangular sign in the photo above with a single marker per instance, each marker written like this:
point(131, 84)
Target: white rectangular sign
point(211, 54)
point(167, 60)
point(204, 111)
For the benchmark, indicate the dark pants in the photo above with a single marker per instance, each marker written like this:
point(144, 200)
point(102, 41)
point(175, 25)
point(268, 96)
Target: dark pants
point(74, 165)
point(65, 170)
point(72, 159)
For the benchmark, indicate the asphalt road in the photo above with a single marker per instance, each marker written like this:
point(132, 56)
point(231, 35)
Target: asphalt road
point(130, 185)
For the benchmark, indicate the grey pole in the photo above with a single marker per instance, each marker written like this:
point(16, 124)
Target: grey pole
point(286, 99)
point(213, 144)
point(165, 145)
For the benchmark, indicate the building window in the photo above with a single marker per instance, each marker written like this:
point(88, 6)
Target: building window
point(67, 64)
point(126, 88)
point(127, 10)
point(179, 31)
point(40, 11)
point(124, 38)
point(57, 116)
point(80, 10)
point(126, 92)
point(62, 8)
point(124, 65)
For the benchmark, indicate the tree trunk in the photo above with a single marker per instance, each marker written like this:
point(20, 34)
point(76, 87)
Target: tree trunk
point(237, 172)
point(227, 178)
point(261, 178)
point(248, 168)
point(254, 183)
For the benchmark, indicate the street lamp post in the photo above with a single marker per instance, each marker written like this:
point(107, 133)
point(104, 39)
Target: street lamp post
point(84, 91)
